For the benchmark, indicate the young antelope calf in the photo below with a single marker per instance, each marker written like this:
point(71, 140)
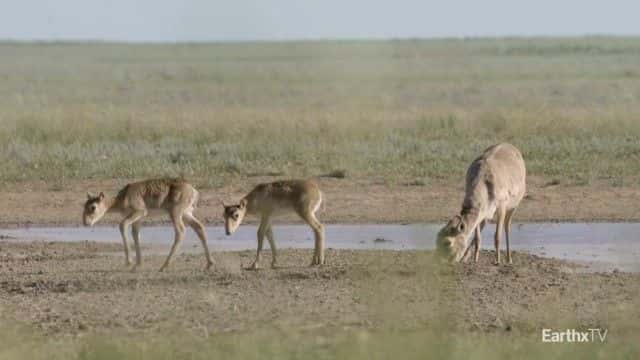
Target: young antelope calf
point(495, 185)
point(302, 196)
point(134, 201)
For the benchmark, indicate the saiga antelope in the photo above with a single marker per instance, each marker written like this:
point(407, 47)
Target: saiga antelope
point(495, 185)
point(134, 201)
point(301, 196)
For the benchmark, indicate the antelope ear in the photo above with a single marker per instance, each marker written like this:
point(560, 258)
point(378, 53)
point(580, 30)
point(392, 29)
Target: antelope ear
point(90, 195)
point(243, 203)
point(101, 196)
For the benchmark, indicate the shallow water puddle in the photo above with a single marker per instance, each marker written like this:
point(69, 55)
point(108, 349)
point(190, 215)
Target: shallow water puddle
point(599, 246)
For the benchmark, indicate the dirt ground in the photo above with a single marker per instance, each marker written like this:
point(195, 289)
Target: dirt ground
point(347, 201)
point(74, 288)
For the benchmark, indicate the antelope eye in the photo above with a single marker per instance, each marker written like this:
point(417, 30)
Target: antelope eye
point(92, 208)
point(235, 216)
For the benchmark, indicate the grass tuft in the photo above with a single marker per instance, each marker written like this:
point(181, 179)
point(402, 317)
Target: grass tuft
point(337, 174)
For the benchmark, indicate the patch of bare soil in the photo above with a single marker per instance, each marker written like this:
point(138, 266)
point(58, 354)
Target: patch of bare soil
point(67, 288)
point(347, 201)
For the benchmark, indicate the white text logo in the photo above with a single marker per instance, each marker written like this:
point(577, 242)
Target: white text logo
point(574, 336)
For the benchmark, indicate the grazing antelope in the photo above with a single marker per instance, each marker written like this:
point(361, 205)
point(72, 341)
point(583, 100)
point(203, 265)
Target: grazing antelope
point(495, 185)
point(134, 201)
point(302, 196)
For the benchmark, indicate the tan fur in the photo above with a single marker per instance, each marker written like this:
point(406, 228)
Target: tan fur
point(301, 196)
point(495, 185)
point(175, 196)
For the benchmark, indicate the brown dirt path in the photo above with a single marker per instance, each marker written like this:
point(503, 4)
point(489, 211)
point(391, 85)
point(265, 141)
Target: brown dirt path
point(347, 201)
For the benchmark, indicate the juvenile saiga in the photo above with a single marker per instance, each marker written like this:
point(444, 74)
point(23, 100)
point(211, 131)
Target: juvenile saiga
point(495, 185)
point(301, 196)
point(173, 196)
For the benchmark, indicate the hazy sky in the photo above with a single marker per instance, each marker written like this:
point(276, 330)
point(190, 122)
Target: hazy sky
point(206, 20)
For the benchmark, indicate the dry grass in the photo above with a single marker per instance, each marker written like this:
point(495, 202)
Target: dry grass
point(397, 110)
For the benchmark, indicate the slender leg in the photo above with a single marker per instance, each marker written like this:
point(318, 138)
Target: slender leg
point(262, 229)
point(507, 224)
point(478, 240)
point(318, 231)
point(498, 235)
point(272, 246)
point(135, 231)
point(178, 225)
point(125, 241)
point(319, 235)
point(465, 255)
point(124, 227)
point(197, 226)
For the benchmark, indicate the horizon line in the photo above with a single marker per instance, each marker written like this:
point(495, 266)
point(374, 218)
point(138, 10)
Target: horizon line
point(318, 39)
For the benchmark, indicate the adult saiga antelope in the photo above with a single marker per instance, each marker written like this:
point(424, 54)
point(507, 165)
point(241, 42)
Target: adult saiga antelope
point(301, 196)
point(495, 185)
point(134, 201)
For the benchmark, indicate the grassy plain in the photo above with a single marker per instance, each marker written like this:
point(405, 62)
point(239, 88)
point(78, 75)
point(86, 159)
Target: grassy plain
point(393, 110)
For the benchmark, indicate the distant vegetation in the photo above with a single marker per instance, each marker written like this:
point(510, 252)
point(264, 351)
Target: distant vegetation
point(397, 110)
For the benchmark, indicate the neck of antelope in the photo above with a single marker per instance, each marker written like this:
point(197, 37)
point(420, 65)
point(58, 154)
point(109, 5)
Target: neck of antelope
point(474, 206)
point(114, 204)
point(471, 216)
point(251, 204)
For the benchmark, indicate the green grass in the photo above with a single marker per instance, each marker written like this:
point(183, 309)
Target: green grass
point(397, 110)
point(270, 343)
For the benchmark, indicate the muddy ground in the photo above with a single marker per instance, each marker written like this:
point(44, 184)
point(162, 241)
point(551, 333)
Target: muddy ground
point(75, 288)
point(347, 201)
